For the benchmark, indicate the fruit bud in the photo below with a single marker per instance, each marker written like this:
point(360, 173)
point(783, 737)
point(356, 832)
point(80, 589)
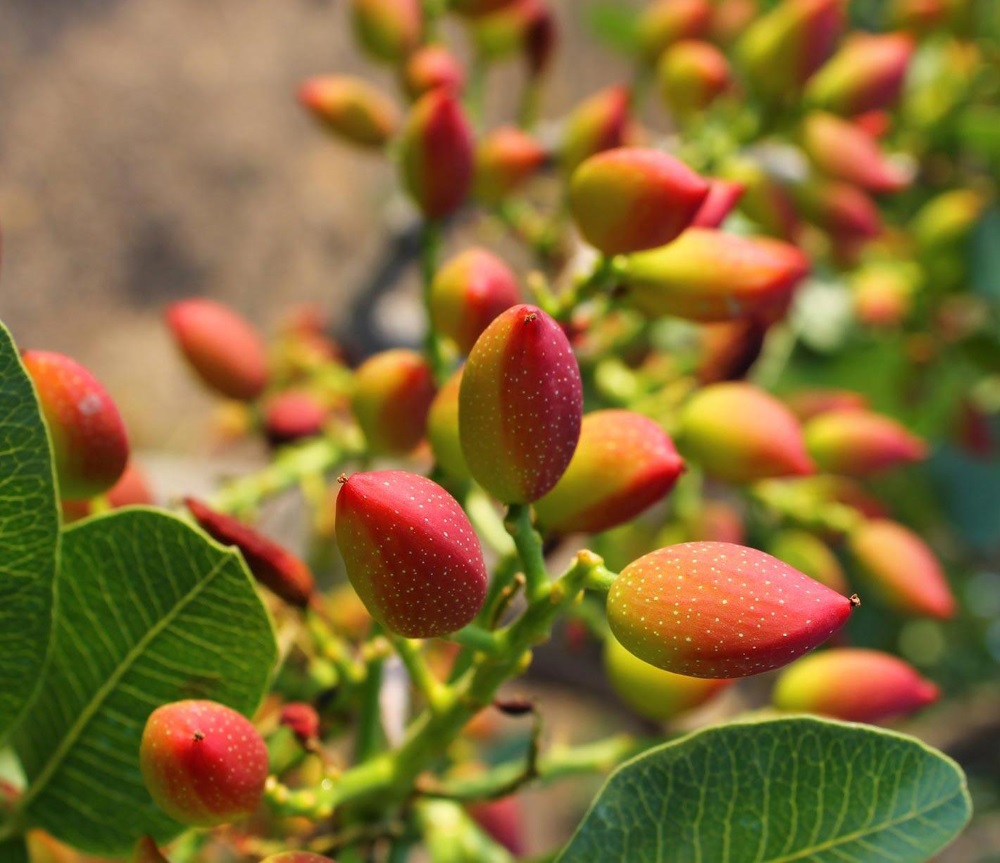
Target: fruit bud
point(866, 74)
point(431, 67)
point(630, 199)
point(598, 123)
point(280, 571)
point(860, 443)
point(436, 154)
point(844, 151)
point(706, 275)
point(711, 609)
point(741, 433)
point(387, 29)
point(293, 415)
point(854, 685)
point(505, 158)
point(840, 209)
point(351, 108)
point(89, 443)
point(721, 200)
point(666, 22)
point(902, 569)
point(520, 405)
point(652, 692)
point(807, 404)
point(301, 719)
point(203, 763)
point(468, 292)
point(410, 552)
point(623, 464)
point(691, 74)
point(393, 391)
point(224, 351)
point(442, 429)
point(810, 555)
point(782, 49)
point(145, 851)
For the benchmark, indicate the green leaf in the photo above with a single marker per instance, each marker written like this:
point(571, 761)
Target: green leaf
point(151, 611)
point(13, 850)
point(789, 789)
point(29, 537)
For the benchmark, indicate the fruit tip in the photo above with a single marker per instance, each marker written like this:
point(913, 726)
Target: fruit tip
point(855, 601)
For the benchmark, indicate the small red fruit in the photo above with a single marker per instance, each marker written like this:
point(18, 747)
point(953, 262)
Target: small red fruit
point(520, 405)
point(393, 391)
point(844, 151)
point(302, 719)
point(711, 609)
point(410, 552)
point(203, 763)
point(89, 443)
point(293, 415)
point(861, 443)
point(866, 74)
point(431, 67)
point(721, 200)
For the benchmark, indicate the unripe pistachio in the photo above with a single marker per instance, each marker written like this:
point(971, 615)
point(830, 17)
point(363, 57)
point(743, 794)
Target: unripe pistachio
point(691, 74)
point(598, 123)
point(431, 67)
point(842, 210)
point(706, 275)
point(393, 391)
point(860, 442)
point(351, 108)
point(652, 692)
point(203, 763)
point(505, 158)
point(946, 219)
point(468, 292)
point(520, 405)
point(442, 429)
point(624, 463)
point(807, 404)
point(866, 74)
point(741, 433)
point(222, 348)
point(810, 555)
point(387, 29)
point(730, 19)
point(853, 684)
point(711, 609)
point(293, 415)
point(89, 443)
point(902, 569)
point(844, 151)
point(436, 154)
point(665, 22)
point(631, 199)
point(410, 553)
point(721, 200)
point(283, 573)
point(883, 294)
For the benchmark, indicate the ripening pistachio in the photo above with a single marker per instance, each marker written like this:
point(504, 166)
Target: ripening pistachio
point(866, 74)
point(843, 151)
point(505, 158)
point(842, 210)
point(442, 429)
point(858, 442)
point(691, 75)
point(721, 200)
point(393, 391)
point(598, 123)
point(431, 67)
point(666, 22)
point(947, 218)
point(388, 30)
point(351, 108)
point(766, 198)
point(810, 403)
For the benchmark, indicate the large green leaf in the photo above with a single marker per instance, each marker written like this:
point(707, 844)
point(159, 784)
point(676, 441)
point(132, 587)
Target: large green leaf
point(151, 611)
point(787, 789)
point(29, 535)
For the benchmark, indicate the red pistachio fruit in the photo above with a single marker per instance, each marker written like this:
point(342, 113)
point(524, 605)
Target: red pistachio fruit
point(691, 74)
point(598, 123)
point(410, 552)
point(706, 275)
point(503, 820)
point(808, 404)
point(809, 555)
point(223, 349)
point(280, 571)
point(741, 433)
point(844, 151)
point(520, 405)
point(721, 200)
point(203, 763)
point(652, 692)
point(866, 74)
point(853, 684)
point(505, 158)
point(302, 719)
point(711, 609)
point(431, 67)
point(293, 415)
point(858, 442)
point(623, 464)
point(436, 154)
point(145, 851)
point(89, 442)
point(352, 108)
point(665, 22)
point(442, 429)
point(902, 569)
point(468, 292)
point(393, 391)
point(387, 29)
point(842, 210)
point(631, 199)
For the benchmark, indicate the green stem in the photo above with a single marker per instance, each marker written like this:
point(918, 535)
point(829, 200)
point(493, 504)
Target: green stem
point(529, 549)
point(435, 693)
point(601, 579)
point(476, 638)
point(430, 244)
point(369, 722)
point(487, 523)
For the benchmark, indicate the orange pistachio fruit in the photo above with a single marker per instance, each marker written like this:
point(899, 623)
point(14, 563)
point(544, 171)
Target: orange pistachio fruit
point(631, 199)
point(431, 67)
point(866, 74)
point(387, 30)
point(351, 108)
point(844, 151)
point(691, 75)
point(505, 159)
point(624, 463)
point(853, 684)
point(598, 123)
point(393, 391)
point(858, 442)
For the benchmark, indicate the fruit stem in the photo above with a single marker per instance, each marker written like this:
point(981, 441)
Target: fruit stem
point(529, 548)
point(433, 691)
point(476, 638)
point(430, 244)
point(369, 720)
point(600, 579)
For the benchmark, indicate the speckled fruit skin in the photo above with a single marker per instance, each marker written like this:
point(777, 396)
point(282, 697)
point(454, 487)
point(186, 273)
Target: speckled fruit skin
point(741, 433)
point(861, 443)
point(520, 405)
point(393, 391)
point(280, 571)
point(89, 442)
point(630, 199)
point(853, 684)
point(902, 569)
point(442, 429)
point(203, 763)
point(410, 552)
point(624, 463)
point(352, 108)
point(223, 349)
point(712, 609)
point(652, 692)
point(468, 292)
point(706, 275)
